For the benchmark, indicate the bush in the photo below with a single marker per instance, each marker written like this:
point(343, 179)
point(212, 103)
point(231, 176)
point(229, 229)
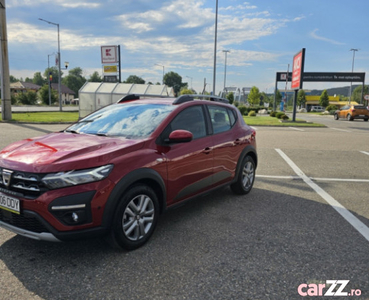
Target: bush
point(284, 117)
point(243, 109)
point(331, 107)
point(332, 112)
point(279, 114)
point(235, 103)
point(272, 114)
point(252, 113)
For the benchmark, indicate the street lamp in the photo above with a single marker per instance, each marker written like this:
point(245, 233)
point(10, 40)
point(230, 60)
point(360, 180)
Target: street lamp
point(163, 70)
point(215, 46)
point(59, 68)
point(191, 80)
point(353, 60)
point(225, 66)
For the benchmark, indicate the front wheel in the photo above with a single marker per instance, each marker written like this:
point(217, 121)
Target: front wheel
point(246, 177)
point(349, 118)
point(135, 218)
point(336, 116)
point(366, 120)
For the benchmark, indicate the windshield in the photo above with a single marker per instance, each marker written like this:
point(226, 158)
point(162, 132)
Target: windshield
point(127, 120)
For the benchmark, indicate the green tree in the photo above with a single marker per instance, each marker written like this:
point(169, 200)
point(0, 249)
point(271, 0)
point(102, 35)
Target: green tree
point(95, 77)
point(174, 80)
point(254, 96)
point(230, 97)
point(324, 99)
point(38, 79)
point(74, 80)
point(30, 80)
point(356, 94)
point(185, 91)
point(44, 95)
point(301, 98)
point(29, 98)
point(134, 79)
point(13, 79)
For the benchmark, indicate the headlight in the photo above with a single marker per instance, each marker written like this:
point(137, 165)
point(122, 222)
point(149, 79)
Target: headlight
point(64, 179)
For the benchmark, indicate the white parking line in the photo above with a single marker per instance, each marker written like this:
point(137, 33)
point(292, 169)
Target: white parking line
point(298, 129)
point(314, 178)
point(344, 130)
point(355, 222)
point(364, 152)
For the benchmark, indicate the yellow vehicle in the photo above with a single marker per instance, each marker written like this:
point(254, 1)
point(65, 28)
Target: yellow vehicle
point(352, 112)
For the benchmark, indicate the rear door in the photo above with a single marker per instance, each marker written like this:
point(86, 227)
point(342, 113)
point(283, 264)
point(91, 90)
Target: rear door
point(227, 142)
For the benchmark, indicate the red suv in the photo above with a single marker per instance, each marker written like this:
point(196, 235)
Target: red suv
point(115, 171)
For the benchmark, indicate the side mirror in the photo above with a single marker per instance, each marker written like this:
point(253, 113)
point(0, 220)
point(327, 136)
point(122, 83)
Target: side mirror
point(180, 136)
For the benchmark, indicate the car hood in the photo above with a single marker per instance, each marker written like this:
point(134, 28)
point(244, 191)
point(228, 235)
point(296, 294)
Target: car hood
point(62, 151)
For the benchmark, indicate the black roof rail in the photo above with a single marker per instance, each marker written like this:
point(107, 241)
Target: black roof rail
point(128, 97)
point(187, 98)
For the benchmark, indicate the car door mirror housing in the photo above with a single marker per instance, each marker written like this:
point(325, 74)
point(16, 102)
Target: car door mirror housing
point(180, 136)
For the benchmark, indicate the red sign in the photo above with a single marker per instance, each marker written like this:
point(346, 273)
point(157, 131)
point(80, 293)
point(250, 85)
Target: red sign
point(297, 69)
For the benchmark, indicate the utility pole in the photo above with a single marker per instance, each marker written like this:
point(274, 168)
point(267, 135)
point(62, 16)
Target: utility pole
point(6, 105)
point(353, 62)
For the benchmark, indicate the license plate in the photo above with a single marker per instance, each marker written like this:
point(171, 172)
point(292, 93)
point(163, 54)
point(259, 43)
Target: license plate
point(9, 203)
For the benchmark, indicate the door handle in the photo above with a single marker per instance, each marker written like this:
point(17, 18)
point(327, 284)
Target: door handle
point(237, 142)
point(207, 150)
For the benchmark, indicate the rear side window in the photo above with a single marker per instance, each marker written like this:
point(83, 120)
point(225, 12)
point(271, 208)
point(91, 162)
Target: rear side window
point(359, 107)
point(222, 119)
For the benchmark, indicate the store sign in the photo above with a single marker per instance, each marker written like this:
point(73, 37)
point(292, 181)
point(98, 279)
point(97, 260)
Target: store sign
point(109, 54)
point(298, 70)
point(110, 69)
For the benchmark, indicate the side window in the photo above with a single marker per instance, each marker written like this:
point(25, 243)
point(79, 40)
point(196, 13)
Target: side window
point(191, 119)
point(220, 119)
point(232, 117)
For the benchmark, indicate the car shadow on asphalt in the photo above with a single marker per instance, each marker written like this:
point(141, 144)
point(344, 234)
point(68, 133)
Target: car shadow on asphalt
point(259, 246)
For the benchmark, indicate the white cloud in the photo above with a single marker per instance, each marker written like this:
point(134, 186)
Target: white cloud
point(317, 37)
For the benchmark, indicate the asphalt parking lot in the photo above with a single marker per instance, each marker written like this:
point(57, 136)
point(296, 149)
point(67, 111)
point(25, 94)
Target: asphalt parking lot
point(306, 221)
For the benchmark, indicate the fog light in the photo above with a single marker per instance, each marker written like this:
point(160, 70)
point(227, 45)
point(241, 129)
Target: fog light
point(75, 217)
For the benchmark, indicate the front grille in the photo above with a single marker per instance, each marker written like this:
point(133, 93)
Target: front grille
point(22, 184)
point(29, 223)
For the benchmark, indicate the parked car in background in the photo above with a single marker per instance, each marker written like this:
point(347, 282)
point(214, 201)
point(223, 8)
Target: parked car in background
point(352, 112)
point(317, 109)
point(114, 171)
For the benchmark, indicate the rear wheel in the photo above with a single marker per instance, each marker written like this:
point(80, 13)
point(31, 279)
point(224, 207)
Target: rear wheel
point(246, 177)
point(135, 218)
point(366, 120)
point(336, 116)
point(349, 118)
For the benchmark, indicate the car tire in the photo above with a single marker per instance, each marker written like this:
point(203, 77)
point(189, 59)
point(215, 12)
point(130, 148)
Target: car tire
point(366, 120)
point(245, 178)
point(336, 116)
point(349, 118)
point(135, 218)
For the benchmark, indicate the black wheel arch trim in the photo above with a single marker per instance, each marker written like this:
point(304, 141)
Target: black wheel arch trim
point(247, 151)
point(136, 176)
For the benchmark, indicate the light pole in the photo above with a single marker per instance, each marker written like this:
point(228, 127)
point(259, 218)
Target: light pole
point(59, 68)
point(215, 47)
point(48, 68)
point(191, 80)
point(163, 70)
point(225, 66)
point(353, 61)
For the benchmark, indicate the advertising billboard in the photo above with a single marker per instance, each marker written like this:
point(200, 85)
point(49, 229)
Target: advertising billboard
point(298, 70)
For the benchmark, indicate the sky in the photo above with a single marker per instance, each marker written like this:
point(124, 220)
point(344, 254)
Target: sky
point(262, 37)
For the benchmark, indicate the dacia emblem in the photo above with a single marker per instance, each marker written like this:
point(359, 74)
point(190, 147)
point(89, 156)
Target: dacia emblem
point(7, 175)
